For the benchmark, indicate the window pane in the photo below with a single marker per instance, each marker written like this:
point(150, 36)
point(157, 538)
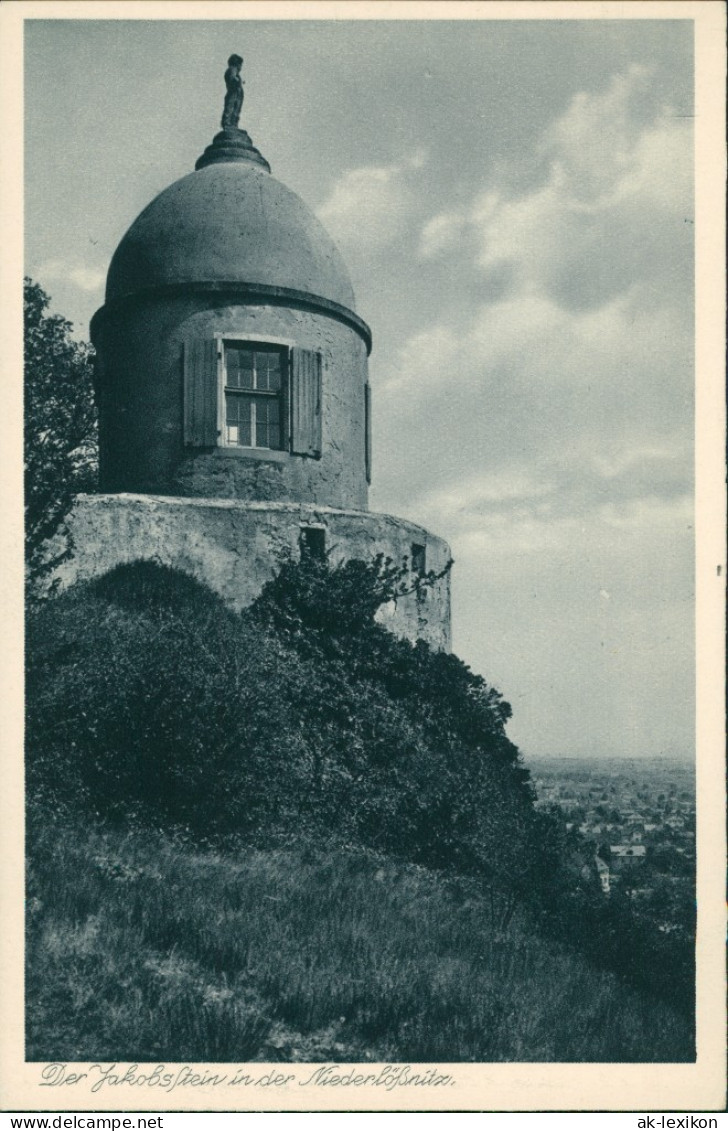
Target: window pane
point(232, 366)
point(261, 370)
point(239, 368)
point(238, 412)
point(267, 431)
point(274, 372)
point(268, 365)
point(261, 420)
point(244, 433)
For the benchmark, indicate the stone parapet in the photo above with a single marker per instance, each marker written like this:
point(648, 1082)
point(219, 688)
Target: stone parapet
point(234, 547)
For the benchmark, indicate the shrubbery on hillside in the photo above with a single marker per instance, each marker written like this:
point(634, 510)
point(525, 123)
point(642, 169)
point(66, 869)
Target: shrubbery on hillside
point(148, 697)
point(149, 702)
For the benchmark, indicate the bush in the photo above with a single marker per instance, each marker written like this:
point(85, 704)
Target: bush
point(148, 697)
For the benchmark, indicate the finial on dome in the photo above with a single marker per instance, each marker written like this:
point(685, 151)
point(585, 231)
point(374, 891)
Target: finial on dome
point(234, 93)
point(232, 143)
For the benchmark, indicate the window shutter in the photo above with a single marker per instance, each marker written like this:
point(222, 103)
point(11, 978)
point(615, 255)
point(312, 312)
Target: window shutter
point(368, 430)
point(305, 406)
point(200, 393)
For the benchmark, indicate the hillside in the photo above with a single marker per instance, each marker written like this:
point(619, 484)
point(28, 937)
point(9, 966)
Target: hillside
point(141, 947)
point(289, 826)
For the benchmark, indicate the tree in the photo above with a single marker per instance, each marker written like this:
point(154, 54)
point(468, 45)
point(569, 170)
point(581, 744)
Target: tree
point(60, 442)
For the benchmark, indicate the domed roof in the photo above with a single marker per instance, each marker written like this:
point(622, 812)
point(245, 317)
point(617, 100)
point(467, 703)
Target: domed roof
point(229, 222)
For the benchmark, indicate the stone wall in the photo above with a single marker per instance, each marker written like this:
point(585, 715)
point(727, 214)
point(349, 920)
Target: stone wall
point(140, 349)
point(235, 547)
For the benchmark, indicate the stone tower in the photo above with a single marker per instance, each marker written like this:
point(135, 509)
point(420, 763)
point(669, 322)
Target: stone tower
point(234, 403)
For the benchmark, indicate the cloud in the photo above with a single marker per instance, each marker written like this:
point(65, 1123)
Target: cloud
point(369, 208)
point(614, 209)
point(538, 407)
point(85, 278)
point(592, 145)
point(418, 159)
point(569, 364)
point(441, 234)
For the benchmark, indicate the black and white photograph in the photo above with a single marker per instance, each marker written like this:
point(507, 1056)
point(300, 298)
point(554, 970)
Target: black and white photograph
point(360, 395)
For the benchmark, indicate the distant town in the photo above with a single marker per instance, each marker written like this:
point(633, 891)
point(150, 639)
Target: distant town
point(637, 818)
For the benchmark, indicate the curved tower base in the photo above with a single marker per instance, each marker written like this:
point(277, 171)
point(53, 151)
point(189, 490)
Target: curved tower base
point(235, 547)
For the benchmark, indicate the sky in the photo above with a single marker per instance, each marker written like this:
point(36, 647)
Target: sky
point(514, 200)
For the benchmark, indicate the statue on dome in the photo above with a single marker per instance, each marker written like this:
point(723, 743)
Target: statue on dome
point(234, 94)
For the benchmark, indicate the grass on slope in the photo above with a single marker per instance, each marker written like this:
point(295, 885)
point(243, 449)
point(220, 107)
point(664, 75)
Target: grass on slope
point(141, 948)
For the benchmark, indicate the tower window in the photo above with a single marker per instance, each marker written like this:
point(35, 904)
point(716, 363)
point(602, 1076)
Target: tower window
point(313, 542)
point(252, 396)
point(419, 559)
point(253, 378)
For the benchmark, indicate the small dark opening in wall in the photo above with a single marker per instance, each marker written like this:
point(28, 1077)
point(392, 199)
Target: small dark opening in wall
point(313, 542)
point(419, 559)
